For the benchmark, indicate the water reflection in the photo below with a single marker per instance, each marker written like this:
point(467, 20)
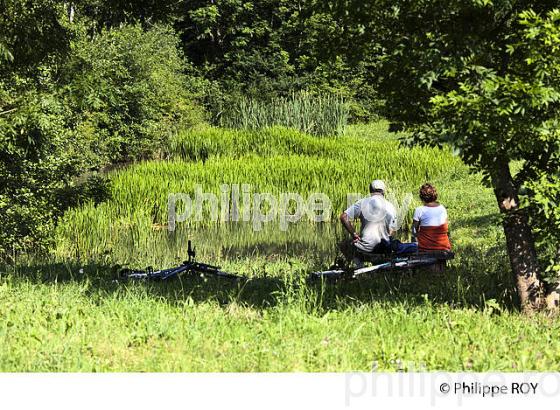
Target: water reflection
point(239, 240)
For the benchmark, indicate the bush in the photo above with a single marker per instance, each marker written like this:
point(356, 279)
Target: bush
point(128, 92)
point(38, 158)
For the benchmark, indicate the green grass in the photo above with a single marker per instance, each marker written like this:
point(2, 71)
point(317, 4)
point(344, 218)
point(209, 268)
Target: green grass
point(79, 327)
point(63, 312)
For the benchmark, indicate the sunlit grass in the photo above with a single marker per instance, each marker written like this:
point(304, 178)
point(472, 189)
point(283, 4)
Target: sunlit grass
point(78, 327)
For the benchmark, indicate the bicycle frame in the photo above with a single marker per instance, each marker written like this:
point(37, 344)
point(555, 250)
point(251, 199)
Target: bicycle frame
point(411, 261)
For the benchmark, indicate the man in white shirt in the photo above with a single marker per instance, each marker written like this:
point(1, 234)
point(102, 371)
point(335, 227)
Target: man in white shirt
point(378, 219)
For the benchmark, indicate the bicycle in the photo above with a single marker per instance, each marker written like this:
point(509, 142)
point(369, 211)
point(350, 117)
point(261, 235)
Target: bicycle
point(190, 266)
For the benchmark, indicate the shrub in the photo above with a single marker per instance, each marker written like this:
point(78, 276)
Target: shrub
point(38, 157)
point(128, 91)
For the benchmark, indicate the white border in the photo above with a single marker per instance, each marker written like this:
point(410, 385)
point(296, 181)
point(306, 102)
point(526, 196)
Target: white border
point(267, 391)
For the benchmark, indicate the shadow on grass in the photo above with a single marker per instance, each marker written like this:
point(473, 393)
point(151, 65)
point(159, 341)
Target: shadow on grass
point(474, 277)
point(488, 221)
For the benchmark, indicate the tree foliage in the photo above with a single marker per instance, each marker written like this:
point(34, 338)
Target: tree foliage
point(259, 48)
point(36, 158)
point(481, 76)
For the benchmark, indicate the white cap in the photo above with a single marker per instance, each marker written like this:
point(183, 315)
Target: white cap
point(377, 185)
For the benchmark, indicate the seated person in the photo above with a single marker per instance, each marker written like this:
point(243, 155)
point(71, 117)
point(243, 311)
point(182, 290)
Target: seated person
point(430, 223)
point(378, 220)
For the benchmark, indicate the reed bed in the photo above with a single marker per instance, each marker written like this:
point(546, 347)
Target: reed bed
point(319, 115)
point(276, 161)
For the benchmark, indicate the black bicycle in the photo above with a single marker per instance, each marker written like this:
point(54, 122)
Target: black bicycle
point(383, 262)
point(190, 266)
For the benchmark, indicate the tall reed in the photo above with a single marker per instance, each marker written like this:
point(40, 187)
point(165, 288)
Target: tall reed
point(319, 115)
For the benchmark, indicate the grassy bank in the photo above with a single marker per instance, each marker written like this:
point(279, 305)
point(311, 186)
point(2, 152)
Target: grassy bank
point(63, 312)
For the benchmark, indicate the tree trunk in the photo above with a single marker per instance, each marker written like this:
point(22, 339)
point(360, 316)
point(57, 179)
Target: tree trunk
point(519, 240)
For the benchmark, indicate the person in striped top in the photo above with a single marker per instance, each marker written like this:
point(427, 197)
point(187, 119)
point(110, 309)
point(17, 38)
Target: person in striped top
point(430, 223)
